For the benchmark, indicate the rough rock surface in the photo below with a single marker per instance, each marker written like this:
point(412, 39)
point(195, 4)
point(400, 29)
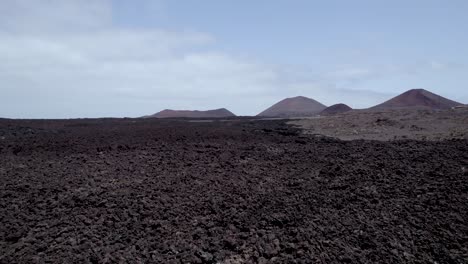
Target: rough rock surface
point(160, 191)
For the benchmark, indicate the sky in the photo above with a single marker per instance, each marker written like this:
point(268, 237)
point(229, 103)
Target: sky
point(120, 58)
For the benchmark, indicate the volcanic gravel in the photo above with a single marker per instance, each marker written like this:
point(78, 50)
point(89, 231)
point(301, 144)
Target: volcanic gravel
point(385, 125)
point(165, 191)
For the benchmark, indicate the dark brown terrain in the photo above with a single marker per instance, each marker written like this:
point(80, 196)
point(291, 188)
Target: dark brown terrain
point(217, 113)
point(336, 109)
point(172, 191)
point(418, 98)
point(294, 107)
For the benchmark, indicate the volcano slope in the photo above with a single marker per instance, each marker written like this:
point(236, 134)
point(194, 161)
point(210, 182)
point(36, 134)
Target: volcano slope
point(164, 191)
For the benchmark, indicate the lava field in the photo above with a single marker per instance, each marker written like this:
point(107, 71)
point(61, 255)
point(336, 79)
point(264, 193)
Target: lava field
point(235, 191)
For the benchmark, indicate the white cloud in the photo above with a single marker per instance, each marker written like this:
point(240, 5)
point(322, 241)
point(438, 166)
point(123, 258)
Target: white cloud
point(66, 59)
point(34, 16)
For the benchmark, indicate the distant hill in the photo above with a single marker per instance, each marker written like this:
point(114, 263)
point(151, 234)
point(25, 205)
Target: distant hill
point(418, 98)
point(296, 106)
point(336, 109)
point(217, 113)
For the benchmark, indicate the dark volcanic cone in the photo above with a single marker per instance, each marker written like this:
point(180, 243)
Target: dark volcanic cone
point(296, 106)
point(418, 98)
point(217, 113)
point(336, 109)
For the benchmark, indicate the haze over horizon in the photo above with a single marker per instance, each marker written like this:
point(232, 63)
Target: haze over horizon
point(117, 58)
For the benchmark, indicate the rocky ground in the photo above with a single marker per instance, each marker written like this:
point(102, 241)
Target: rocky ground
point(162, 191)
point(386, 125)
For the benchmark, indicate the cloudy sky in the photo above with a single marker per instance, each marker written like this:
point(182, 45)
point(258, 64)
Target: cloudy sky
point(100, 58)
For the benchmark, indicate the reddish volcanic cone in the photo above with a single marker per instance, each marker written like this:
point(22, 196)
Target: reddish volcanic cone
point(418, 98)
point(336, 109)
point(217, 113)
point(296, 106)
